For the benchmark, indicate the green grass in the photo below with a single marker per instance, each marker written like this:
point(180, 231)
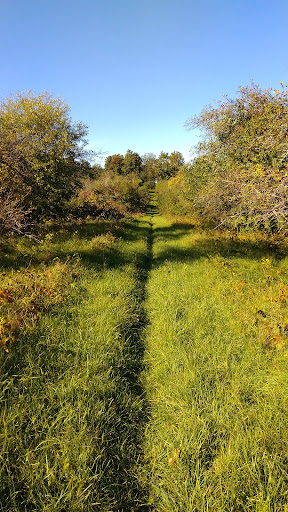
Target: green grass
point(146, 369)
point(216, 373)
point(72, 409)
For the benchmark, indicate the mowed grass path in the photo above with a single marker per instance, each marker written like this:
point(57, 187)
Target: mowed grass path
point(158, 383)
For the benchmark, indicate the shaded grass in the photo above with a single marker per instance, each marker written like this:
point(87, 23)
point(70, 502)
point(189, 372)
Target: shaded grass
point(216, 373)
point(97, 243)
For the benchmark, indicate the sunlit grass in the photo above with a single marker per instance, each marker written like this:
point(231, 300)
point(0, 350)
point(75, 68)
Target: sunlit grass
point(71, 412)
point(148, 370)
point(216, 375)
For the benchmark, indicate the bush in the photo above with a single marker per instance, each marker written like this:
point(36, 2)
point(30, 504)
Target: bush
point(240, 177)
point(172, 195)
point(40, 154)
point(110, 196)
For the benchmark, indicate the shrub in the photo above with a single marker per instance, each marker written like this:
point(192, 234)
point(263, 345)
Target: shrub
point(110, 196)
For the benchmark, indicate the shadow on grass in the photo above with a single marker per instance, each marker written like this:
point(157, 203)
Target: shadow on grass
point(117, 486)
point(211, 244)
point(125, 429)
point(18, 253)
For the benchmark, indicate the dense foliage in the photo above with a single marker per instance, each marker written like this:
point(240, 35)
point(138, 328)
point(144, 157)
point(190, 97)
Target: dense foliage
point(173, 195)
point(110, 196)
point(239, 178)
point(40, 158)
point(45, 171)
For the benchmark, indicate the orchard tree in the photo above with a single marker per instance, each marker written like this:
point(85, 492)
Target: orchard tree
point(246, 151)
point(41, 150)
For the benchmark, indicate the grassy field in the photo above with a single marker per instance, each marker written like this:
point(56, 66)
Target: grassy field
point(216, 372)
point(143, 368)
point(72, 409)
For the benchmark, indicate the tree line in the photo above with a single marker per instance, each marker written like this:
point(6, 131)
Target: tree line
point(239, 175)
point(46, 170)
point(237, 179)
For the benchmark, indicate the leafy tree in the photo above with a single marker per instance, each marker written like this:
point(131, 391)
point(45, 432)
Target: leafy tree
point(176, 161)
point(40, 154)
point(163, 165)
point(246, 151)
point(169, 165)
point(132, 163)
point(114, 164)
point(149, 169)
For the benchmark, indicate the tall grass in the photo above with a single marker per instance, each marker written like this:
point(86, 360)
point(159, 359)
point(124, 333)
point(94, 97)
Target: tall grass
point(216, 372)
point(148, 370)
point(72, 408)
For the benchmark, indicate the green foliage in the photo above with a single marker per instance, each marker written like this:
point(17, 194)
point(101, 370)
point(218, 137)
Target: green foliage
point(114, 164)
point(132, 163)
point(172, 195)
point(244, 160)
point(150, 169)
point(110, 196)
point(169, 165)
point(40, 154)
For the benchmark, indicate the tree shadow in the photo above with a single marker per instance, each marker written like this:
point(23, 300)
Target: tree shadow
point(117, 486)
point(211, 244)
point(18, 253)
point(125, 429)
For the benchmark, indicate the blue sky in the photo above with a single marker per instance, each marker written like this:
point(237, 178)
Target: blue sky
point(136, 70)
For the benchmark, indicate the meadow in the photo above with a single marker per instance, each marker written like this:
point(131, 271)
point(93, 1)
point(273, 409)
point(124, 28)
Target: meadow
point(216, 371)
point(143, 367)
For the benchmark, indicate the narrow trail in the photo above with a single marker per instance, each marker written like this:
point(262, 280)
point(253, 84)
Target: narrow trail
point(125, 490)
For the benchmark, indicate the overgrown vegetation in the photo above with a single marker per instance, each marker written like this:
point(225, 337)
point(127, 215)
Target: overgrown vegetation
point(246, 151)
point(238, 178)
point(128, 386)
point(46, 172)
point(144, 360)
point(40, 153)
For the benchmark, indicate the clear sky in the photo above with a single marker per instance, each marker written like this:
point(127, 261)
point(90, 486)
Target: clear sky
point(136, 70)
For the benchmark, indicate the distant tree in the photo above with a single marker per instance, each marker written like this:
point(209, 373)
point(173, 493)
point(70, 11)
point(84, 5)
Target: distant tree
point(149, 168)
point(132, 163)
point(169, 165)
point(114, 163)
point(41, 150)
point(163, 165)
point(176, 161)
